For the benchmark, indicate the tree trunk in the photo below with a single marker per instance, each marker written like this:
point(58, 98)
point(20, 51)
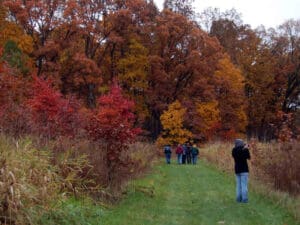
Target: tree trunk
point(91, 99)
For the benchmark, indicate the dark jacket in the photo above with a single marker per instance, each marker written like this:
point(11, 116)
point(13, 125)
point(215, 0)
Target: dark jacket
point(167, 149)
point(240, 155)
point(195, 151)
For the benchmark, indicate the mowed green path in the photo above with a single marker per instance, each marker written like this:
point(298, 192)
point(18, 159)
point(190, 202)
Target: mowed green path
point(186, 195)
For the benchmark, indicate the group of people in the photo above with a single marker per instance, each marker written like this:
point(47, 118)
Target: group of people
point(186, 153)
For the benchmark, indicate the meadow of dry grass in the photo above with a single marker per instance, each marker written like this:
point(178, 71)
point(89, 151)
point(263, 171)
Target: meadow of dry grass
point(35, 179)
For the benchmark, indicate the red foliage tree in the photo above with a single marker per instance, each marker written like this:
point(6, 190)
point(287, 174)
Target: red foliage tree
point(113, 123)
point(51, 114)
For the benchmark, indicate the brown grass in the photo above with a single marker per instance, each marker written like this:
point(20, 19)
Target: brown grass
point(138, 159)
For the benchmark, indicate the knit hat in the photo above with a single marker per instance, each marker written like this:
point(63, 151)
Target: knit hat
point(239, 143)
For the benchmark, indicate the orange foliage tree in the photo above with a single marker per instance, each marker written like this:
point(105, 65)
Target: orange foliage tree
point(231, 98)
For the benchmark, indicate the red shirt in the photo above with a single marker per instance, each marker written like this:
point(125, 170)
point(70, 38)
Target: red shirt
point(179, 150)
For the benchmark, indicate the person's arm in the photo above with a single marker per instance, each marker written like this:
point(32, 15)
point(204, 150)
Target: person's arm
point(247, 153)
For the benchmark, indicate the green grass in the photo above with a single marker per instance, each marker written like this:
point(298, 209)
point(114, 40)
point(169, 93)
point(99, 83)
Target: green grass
point(72, 211)
point(183, 195)
point(187, 194)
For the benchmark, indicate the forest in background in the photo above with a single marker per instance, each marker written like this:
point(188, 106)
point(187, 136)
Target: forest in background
point(92, 81)
point(229, 78)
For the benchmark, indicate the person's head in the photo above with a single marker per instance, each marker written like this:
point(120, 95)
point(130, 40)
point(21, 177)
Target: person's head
point(239, 143)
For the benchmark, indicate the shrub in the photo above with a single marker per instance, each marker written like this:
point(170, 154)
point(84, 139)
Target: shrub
point(14, 120)
point(112, 124)
point(140, 157)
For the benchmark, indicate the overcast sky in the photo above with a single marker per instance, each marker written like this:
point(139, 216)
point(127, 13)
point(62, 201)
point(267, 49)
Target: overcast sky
point(269, 13)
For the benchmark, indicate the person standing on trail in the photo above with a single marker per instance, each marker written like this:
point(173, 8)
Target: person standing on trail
point(188, 153)
point(241, 154)
point(179, 151)
point(195, 153)
point(168, 153)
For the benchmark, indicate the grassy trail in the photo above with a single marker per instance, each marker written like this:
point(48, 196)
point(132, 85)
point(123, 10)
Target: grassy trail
point(191, 195)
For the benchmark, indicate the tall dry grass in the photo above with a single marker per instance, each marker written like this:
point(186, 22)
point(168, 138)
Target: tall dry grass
point(33, 180)
point(27, 180)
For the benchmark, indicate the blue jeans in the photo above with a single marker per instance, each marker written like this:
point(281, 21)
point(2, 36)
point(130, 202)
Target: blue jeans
point(168, 158)
point(179, 158)
point(242, 187)
point(194, 159)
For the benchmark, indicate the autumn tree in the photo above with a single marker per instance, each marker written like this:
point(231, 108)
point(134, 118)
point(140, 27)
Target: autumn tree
point(209, 121)
point(133, 72)
point(249, 52)
point(113, 124)
point(15, 58)
point(17, 45)
point(290, 33)
point(64, 32)
point(38, 19)
point(231, 98)
point(10, 31)
point(173, 125)
point(182, 63)
point(210, 15)
point(184, 7)
point(52, 115)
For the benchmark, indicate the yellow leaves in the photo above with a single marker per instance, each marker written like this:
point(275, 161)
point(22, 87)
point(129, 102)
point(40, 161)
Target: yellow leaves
point(209, 113)
point(172, 122)
point(228, 73)
point(133, 70)
point(11, 31)
point(230, 95)
point(134, 66)
point(173, 117)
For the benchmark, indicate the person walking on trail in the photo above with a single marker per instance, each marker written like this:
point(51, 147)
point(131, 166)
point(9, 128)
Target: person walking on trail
point(179, 151)
point(195, 153)
point(168, 153)
point(241, 154)
point(184, 148)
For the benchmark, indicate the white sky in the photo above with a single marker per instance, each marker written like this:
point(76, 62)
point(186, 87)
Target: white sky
point(269, 13)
